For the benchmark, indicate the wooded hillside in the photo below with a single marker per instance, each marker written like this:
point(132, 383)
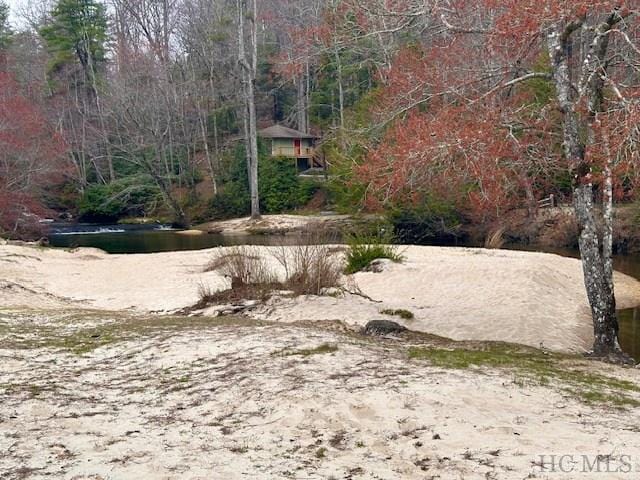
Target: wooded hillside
point(436, 114)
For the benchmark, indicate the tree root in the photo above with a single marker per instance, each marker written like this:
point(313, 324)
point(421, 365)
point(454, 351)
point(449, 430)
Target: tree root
point(614, 358)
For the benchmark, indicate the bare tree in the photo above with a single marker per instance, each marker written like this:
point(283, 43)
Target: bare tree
point(249, 65)
point(154, 127)
point(208, 42)
point(151, 23)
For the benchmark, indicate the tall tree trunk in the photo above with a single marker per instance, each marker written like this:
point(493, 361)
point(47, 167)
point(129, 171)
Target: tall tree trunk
point(301, 103)
point(249, 78)
point(253, 121)
point(599, 290)
point(205, 142)
point(104, 132)
point(596, 258)
point(214, 109)
point(340, 85)
point(607, 214)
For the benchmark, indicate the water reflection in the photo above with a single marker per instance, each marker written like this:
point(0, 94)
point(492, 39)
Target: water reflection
point(630, 331)
point(149, 241)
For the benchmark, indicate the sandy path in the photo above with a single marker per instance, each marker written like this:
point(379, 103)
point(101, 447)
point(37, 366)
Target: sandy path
point(223, 403)
point(465, 294)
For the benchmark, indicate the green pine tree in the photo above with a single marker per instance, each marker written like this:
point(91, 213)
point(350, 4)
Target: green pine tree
point(5, 28)
point(76, 34)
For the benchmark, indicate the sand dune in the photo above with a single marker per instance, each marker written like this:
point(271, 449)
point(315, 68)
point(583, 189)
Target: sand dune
point(465, 294)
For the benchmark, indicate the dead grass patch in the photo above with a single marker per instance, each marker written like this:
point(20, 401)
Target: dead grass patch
point(399, 312)
point(309, 269)
point(238, 293)
point(306, 352)
point(495, 238)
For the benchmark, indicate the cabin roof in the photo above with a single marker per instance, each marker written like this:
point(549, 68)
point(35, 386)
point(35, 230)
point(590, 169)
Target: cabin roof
point(279, 131)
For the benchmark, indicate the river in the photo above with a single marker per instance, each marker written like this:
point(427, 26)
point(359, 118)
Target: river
point(161, 238)
point(150, 238)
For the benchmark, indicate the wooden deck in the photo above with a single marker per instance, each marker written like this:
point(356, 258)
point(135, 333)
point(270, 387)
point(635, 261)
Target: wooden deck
point(302, 152)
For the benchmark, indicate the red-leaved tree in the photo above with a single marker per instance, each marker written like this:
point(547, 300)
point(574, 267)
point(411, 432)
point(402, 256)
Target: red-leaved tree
point(31, 159)
point(463, 101)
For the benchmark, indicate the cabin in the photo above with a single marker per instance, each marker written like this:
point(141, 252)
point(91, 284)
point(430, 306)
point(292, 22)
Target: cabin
point(287, 142)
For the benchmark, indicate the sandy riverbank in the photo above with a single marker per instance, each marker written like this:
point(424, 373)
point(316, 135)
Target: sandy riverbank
point(94, 388)
point(460, 293)
point(282, 224)
point(197, 400)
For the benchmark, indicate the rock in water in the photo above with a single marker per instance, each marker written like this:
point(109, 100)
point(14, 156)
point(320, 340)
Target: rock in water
point(382, 327)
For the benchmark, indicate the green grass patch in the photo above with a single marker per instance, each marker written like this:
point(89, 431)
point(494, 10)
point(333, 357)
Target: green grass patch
point(84, 341)
point(399, 312)
point(462, 358)
point(361, 254)
point(532, 367)
point(364, 248)
point(594, 397)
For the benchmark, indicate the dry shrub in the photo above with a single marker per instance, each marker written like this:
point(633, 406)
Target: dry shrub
point(313, 266)
point(495, 238)
point(250, 275)
point(243, 265)
point(309, 268)
point(205, 295)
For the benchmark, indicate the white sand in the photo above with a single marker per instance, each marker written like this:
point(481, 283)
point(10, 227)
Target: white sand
point(464, 294)
point(272, 223)
point(222, 403)
point(476, 294)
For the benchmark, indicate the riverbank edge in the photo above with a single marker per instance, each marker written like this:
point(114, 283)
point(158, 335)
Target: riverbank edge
point(519, 297)
point(289, 224)
point(547, 228)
